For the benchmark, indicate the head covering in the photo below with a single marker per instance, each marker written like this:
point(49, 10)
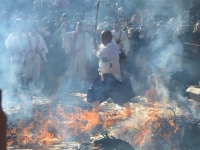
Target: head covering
point(64, 16)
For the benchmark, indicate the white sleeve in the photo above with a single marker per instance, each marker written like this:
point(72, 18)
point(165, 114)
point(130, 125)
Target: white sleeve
point(98, 52)
point(67, 40)
point(43, 47)
point(9, 41)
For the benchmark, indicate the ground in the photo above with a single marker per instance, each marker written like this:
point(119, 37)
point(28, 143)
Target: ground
point(112, 120)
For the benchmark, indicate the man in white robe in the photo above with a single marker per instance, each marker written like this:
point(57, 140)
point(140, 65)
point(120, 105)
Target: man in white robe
point(35, 56)
point(16, 45)
point(120, 37)
point(79, 44)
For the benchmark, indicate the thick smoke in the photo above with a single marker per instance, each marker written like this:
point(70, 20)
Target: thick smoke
point(161, 18)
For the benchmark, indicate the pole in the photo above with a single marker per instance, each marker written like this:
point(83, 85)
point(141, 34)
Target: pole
point(95, 37)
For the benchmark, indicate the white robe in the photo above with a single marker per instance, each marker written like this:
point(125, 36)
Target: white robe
point(16, 45)
point(109, 60)
point(80, 54)
point(124, 41)
point(34, 59)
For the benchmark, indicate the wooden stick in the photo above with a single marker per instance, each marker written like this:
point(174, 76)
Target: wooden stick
point(95, 38)
point(190, 44)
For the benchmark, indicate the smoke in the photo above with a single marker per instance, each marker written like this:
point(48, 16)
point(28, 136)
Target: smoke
point(158, 52)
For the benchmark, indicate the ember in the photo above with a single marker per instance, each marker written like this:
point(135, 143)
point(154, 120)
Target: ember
point(147, 126)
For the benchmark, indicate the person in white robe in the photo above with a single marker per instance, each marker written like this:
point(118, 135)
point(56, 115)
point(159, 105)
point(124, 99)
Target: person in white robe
point(16, 44)
point(35, 56)
point(79, 44)
point(121, 38)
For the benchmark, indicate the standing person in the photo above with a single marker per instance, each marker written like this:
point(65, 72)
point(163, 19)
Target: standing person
point(35, 56)
point(195, 54)
point(110, 82)
point(121, 38)
point(3, 124)
point(16, 45)
point(79, 44)
point(52, 68)
point(135, 43)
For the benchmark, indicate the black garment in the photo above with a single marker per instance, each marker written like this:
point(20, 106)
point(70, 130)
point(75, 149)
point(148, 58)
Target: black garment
point(119, 92)
point(132, 55)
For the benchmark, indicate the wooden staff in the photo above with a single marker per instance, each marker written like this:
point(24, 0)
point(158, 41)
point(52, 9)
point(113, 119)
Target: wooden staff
point(95, 37)
point(191, 44)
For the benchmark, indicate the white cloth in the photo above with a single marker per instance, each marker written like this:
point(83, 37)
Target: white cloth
point(36, 48)
point(16, 45)
point(109, 60)
point(41, 44)
point(81, 52)
point(124, 41)
point(83, 42)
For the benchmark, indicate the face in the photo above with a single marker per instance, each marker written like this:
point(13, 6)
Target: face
point(116, 26)
point(105, 39)
point(134, 18)
point(79, 28)
point(198, 27)
point(130, 35)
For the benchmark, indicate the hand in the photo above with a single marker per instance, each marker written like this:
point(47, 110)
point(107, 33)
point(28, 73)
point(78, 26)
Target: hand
point(63, 26)
point(45, 61)
point(96, 47)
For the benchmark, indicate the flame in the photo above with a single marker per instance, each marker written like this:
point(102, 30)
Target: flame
point(11, 132)
point(64, 123)
point(144, 127)
point(112, 117)
point(47, 125)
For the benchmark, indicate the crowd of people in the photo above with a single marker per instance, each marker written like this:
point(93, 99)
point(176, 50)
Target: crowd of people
point(48, 40)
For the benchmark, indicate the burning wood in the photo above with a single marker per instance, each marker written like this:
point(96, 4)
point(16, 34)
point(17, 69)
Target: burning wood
point(146, 126)
point(112, 143)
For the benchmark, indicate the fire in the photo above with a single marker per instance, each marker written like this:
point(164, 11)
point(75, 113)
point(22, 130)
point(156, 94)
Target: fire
point(11, 132)
point(64, 123)
point(145, 126)
point(81, 121)
point(61, 124)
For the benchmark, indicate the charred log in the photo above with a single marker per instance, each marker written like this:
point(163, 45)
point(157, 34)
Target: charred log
point(110, 143)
